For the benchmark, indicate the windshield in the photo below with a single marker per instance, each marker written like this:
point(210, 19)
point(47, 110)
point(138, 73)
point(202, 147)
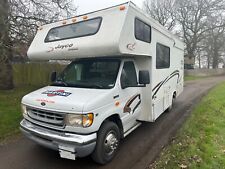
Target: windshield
point(92, 73)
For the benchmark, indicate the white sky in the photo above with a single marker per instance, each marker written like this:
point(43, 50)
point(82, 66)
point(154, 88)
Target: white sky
point(85, 6)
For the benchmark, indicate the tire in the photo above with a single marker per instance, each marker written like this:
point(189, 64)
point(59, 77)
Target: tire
point(107, 143)
point(171, 106)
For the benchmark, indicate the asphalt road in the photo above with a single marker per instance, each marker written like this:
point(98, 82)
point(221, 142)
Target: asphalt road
point(137, 150)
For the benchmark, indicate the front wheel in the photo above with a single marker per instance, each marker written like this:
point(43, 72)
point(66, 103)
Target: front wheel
point(107, 143)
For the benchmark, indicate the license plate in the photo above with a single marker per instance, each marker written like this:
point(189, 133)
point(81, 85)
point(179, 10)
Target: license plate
point(67, 152)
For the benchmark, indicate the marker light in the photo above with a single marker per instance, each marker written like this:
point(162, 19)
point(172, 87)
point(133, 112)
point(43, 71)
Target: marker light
point(85, 17)
point(117, 103)
point(74, 19)
point(122, 8)
point(63, 22)
point(88, 119)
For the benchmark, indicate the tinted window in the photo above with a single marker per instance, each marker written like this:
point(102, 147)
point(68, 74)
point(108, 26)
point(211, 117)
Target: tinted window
point(129, 76)
point(142, 31)
point(162, 56)
point(84, 28)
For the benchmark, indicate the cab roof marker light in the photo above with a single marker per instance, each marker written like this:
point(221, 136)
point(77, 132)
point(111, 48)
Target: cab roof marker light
point(74, 20)
point(63, 22)
point(122, 8)
point(85, 17)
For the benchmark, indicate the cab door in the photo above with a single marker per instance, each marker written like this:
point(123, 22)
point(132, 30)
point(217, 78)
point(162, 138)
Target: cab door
point(130, 95)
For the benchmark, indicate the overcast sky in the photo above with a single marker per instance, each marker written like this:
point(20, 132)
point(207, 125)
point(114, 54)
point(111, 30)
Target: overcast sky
point(85, 6)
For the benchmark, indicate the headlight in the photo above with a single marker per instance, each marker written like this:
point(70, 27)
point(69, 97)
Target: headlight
point(24, 109)
point(79, 120)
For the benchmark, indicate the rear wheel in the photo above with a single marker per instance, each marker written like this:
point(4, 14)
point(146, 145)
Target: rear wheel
point(173, 99)
point(107, 143)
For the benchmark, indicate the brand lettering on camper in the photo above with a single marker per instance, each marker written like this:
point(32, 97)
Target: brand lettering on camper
point(63, 46)
point(60, 47)
point(51, 93)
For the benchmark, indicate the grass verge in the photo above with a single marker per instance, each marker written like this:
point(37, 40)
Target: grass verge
point(200, 143)
point(188, 78)
point(10, 110)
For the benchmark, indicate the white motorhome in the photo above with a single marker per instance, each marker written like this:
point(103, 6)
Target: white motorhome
point(125, 69)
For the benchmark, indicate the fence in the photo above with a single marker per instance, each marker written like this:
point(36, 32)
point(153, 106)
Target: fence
point(37, 74)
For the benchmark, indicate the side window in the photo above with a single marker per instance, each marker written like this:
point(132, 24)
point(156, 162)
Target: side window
point(162, 56)
point(129, 76)
point(142, 31)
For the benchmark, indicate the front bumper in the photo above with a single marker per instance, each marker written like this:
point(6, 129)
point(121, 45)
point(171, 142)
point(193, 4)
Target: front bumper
point(83, 145)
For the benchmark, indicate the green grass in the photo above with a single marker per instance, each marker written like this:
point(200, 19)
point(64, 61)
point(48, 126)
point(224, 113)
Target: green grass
point(200, 143)
point(27, 77)
point(10, 110)
point(189, 77)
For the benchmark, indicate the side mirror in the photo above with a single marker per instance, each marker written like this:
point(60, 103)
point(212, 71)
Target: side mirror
point(144, 77)
point(53, 76)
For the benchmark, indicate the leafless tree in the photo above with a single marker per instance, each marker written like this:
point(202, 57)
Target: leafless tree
point(164, 11)
point(191, 19)
point(6, 80)
point(26, 15)
point(215, 43)
point(19, 20)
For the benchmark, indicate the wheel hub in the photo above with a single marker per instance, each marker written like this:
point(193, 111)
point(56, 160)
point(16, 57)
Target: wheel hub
point(111, 143)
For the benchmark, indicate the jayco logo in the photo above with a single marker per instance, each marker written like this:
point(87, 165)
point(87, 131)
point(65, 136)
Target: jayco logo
point(63, 46)
point(51, 93)
point(60, 47)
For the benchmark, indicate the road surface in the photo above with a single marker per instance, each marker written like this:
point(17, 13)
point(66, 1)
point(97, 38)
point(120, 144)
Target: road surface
point(137, 150)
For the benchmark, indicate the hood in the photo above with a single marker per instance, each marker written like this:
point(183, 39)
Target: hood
point(68, 99)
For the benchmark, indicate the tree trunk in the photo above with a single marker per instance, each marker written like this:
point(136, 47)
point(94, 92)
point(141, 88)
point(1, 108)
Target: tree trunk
point(208, 62)
point(199, 62)
point(6, 73)
point(215, 59)
point(215, 62)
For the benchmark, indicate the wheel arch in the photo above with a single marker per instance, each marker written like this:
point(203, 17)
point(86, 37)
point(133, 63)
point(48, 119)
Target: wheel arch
point(174, 94)
point(116, 119)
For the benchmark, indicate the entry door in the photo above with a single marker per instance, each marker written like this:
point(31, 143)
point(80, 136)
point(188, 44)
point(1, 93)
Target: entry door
point(130, 94)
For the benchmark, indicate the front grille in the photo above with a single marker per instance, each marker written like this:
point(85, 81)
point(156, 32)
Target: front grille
point(49, 117)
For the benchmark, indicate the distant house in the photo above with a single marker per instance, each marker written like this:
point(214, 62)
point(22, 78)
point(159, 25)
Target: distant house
point(189, 62)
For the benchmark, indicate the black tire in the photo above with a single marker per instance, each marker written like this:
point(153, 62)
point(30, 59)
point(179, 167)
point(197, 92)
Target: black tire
point(103, 152)
point(171, 106)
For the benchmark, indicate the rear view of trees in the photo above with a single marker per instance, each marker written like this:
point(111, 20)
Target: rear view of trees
point(6, 81)
point(26, 15)
point(200, 23)
point(163, 11)
point(19, 20)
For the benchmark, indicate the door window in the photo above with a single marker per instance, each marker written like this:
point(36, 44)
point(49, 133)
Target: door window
point(128, 76)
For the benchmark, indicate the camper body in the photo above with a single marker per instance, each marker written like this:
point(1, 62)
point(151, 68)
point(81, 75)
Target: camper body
point(125, 69)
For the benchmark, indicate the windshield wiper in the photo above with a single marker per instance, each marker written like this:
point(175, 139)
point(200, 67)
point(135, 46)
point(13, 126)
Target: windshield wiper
point(60, 83)
point(82, 85)
point(96, 86)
